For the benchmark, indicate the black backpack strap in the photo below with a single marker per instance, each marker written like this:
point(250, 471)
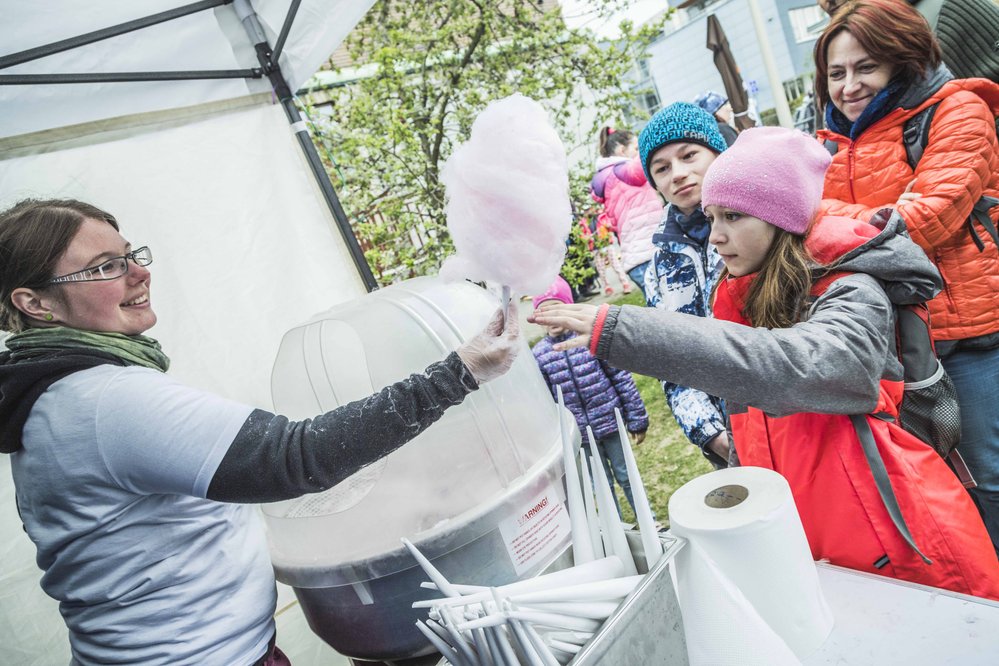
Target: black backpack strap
point(980, 213)
point(877, 465)
point(916, 133)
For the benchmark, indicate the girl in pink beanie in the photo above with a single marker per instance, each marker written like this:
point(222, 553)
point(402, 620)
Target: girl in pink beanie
point(802, 350)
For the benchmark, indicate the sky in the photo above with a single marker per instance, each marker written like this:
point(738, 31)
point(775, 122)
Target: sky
point(638, 11)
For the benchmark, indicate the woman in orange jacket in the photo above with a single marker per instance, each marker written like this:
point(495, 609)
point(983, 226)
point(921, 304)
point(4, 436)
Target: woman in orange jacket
point(878, 68)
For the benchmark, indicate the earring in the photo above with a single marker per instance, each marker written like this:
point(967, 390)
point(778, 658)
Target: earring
point(48, 316)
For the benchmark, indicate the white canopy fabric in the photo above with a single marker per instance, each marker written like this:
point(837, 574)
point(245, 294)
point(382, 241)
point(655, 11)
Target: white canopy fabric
point(210, 175)
point(211, 39)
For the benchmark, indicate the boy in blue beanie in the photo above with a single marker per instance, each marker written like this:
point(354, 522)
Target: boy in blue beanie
point(676, 147)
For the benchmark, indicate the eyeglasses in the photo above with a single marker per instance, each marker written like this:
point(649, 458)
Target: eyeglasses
point(111, 269)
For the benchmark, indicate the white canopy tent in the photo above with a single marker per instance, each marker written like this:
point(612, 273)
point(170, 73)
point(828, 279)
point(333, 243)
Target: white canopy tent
point(178, 119)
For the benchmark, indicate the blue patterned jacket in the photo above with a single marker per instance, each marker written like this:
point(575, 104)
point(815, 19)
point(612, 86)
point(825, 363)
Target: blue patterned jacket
point(680, 278)
point(591, 388)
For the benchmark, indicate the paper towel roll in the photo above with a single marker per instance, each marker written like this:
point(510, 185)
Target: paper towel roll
point(747, 585)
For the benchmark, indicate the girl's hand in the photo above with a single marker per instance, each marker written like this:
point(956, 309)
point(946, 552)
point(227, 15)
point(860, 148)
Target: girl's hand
point(578, 318)
point(908, 195)
point(637, 437)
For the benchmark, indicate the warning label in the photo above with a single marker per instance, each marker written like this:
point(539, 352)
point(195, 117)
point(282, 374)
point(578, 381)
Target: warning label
point(536, 531)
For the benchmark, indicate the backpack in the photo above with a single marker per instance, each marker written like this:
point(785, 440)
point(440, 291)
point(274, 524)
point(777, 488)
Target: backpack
point(915, 135)
point(929, 409)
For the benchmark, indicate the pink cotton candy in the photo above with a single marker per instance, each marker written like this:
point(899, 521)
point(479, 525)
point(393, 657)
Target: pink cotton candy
point(508, 206)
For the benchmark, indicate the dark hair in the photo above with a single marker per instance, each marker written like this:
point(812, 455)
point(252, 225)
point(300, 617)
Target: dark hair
point(33, 235)
point(891, 31)
point(612, 139)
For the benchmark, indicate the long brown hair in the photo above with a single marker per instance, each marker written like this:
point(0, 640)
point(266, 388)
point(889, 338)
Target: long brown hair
point(779, 292)
point(891, 32)
point(33, 235)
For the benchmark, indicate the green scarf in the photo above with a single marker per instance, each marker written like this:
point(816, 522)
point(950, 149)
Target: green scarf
point(130, 349)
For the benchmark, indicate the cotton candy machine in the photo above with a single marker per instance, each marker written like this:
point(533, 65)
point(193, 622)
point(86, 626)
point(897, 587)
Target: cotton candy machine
point(479, 493)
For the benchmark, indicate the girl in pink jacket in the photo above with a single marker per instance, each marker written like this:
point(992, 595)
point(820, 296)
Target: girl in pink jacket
point(632, 209)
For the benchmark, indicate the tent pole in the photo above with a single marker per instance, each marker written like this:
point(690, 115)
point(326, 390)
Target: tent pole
point(105, 33)
point(272, 69)
point(120, 77)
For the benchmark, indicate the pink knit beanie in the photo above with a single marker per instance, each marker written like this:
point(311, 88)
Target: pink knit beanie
point(558, 291)
point(773, 173)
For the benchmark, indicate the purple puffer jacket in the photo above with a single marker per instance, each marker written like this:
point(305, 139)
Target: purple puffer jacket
point(632, 209)
point(591, 388)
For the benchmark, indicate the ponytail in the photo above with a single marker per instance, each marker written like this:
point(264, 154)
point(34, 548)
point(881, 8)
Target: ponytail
point(611, 139)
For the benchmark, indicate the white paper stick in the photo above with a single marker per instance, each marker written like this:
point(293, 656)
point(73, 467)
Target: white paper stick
point(646, 523)
point(457, 639)
point(603, 590)
point(610, 521)
point(543, 650)
point(588, 501)
point(505, 299)
point(457, 659)
point(604, 518)
point(441, 646)
point(460, 587)
point(557, 620)
point(582, 548)
point(593, 610)
point(602, 569)
point(482, 647)
point(571, 648)
point(442, 584)
point(493, 646)
point(506, 648)
point(526, 646)
point(574, 637)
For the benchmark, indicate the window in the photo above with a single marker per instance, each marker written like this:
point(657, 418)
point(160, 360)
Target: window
point(807, 22)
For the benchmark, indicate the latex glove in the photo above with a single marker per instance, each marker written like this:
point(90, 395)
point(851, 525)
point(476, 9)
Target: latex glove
point(578, 317)
point(637, 437)
point(491, 353)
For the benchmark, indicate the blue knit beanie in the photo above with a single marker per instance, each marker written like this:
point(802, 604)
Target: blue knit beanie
point(680, 121)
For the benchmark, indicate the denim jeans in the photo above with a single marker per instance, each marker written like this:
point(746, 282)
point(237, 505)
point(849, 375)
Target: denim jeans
point(976, 378)
point(612, 457)
point(637, 275)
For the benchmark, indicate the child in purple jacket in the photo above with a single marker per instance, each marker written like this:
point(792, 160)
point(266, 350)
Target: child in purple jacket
point(591, 390)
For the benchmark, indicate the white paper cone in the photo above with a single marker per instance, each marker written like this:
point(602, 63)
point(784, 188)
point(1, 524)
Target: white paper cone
point(610, 522)
point(643, 512)
point(590, 504)
point(746, 581)
point(604, 569)
point(617, 588)
point(582, 548)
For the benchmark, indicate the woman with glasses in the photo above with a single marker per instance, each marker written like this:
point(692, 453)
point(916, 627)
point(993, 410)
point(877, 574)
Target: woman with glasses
point(136, 489)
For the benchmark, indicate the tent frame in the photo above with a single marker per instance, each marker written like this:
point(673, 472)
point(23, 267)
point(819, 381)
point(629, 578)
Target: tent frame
point(269, 67)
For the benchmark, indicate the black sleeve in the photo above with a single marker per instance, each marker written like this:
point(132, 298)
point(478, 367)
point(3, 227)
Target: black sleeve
point(273, 458)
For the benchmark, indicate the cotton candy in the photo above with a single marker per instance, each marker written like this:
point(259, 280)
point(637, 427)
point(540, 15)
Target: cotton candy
point(507, 190)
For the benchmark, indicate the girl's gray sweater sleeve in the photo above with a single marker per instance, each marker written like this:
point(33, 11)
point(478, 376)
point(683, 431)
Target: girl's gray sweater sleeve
point(830, 363)
point(273, 458)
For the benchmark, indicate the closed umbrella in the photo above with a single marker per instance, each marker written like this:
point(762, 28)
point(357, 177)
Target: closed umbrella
point(729, 71)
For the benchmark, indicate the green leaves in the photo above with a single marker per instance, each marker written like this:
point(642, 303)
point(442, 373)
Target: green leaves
point(426, 69)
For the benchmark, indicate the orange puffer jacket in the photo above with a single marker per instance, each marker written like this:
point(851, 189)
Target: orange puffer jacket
point(960, 163)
